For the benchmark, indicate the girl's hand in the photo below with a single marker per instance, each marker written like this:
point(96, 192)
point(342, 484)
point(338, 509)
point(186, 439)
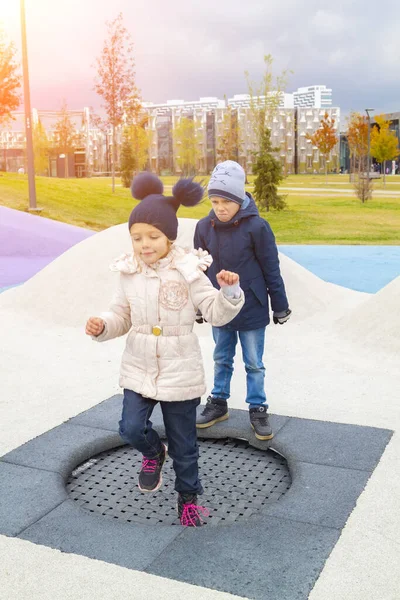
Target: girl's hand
point(95, 326)
point(225, 278)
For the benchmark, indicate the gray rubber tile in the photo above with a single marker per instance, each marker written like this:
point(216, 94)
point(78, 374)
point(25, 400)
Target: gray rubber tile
point(274, 559)
point(335, 444)
point(320, 495)
point(26, 495)
point(62, 448)
point(70, 529)
point(107, 415)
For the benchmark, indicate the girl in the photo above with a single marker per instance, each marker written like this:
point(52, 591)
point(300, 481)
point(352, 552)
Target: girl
point(161, 287)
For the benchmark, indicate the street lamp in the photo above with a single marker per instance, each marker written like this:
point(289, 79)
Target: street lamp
point(368, 110)
point(28, 113)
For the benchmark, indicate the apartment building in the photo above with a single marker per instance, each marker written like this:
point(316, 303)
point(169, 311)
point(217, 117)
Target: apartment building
point(295, 115)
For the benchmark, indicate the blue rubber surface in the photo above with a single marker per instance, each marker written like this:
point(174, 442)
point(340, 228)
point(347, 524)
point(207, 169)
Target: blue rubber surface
point(361, 268)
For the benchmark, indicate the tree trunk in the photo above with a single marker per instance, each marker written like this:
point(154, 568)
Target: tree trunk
point(384, 172)
point(326, 170)
point(113, 161)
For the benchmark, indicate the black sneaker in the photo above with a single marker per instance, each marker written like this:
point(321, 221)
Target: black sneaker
point(215, 410)
point(190, 515)
point(150, 478)
point(260, 423)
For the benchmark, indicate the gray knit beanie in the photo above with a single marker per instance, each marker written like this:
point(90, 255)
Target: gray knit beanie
point(227, 181)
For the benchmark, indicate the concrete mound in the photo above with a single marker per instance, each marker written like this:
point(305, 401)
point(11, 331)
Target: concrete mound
point(376, 321)
point(79, 283)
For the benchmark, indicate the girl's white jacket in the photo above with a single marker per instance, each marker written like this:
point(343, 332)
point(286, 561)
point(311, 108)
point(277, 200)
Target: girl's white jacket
point(157, 305)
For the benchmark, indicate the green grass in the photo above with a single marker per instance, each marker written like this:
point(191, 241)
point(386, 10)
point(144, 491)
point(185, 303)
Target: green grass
point(330, 219)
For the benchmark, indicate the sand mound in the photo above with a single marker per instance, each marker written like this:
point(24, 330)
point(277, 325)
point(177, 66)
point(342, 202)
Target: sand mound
point(79, 283)
point(376, 321)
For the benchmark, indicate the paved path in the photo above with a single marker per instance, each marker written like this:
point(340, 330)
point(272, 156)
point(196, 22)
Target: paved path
point(330, 190)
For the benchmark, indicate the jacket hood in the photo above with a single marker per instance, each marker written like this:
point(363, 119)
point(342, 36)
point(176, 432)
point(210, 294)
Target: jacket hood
point(249, 209)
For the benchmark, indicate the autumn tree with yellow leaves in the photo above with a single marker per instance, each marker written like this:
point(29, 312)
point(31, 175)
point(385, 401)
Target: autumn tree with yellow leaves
point(384, 144)
point(325, 139)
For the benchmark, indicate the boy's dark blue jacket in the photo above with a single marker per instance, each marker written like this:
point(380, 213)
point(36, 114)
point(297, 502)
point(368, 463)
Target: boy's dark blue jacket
point(245, 245)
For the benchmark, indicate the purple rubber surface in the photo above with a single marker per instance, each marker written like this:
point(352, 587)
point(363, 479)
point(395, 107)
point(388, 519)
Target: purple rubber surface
point(30, 242)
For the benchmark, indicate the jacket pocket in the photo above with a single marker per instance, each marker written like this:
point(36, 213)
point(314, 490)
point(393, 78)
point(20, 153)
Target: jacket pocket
point(259, 289)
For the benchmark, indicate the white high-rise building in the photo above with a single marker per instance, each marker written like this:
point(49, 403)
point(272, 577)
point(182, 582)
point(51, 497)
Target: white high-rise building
point(244, 100)
point(314, 96)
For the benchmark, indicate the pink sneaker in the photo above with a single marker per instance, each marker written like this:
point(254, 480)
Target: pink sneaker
point(190, 514)
point(150, 478)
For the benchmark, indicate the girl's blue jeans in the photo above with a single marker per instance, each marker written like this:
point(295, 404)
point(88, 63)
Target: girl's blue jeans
point(136, 429)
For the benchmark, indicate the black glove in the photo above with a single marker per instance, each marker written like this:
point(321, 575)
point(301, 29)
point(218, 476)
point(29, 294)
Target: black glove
point(199, 318)
point(282, 317)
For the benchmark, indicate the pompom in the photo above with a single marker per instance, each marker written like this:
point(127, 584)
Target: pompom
point(146, 184)
point(187, 192)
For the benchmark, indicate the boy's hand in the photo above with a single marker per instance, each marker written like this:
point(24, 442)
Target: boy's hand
point(282, 317)
point(225, 278)
point(199, 318)
point(95, 326)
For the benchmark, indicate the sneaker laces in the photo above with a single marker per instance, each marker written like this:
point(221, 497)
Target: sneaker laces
point(191, 515)
point(149, 465)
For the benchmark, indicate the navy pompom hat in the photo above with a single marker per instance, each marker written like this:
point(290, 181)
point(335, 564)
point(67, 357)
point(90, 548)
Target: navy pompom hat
point(159, 210)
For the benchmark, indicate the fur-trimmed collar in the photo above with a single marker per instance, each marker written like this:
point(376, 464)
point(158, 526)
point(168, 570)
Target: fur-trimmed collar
point(190, 263)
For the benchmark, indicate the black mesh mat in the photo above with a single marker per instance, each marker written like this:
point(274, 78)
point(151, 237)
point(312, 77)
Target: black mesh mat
point(237, 479)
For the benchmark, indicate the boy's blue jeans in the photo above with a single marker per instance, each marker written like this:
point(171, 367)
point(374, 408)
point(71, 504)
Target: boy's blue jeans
point(136, 429)
point(252, 343)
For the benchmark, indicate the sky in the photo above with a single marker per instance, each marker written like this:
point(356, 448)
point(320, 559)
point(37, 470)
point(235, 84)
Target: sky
point(187, 49)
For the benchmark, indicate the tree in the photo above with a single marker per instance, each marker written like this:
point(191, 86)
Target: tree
point(41, 148)
point(134, 152)
point(140, 142)
point(363, 187)
point(65, 136)
point(268, 172)
point(115, 81)
point(265, 98)
point(357, 137)
point(127, 159)
point(383, 143)
point(325, 139)
point(186, 146)
point(228, 142)
point(10, 79)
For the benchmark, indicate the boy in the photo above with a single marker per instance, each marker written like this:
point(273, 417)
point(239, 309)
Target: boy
point(238, 239)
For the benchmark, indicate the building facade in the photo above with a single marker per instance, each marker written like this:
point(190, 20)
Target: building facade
point(289, 129)
point(293, 117)
point(315, 96)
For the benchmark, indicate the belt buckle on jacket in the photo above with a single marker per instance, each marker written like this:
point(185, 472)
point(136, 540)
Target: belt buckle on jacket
point(157, 330)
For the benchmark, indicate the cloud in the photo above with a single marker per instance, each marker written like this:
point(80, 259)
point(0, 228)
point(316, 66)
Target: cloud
point(329, 23)
point(187, 50)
